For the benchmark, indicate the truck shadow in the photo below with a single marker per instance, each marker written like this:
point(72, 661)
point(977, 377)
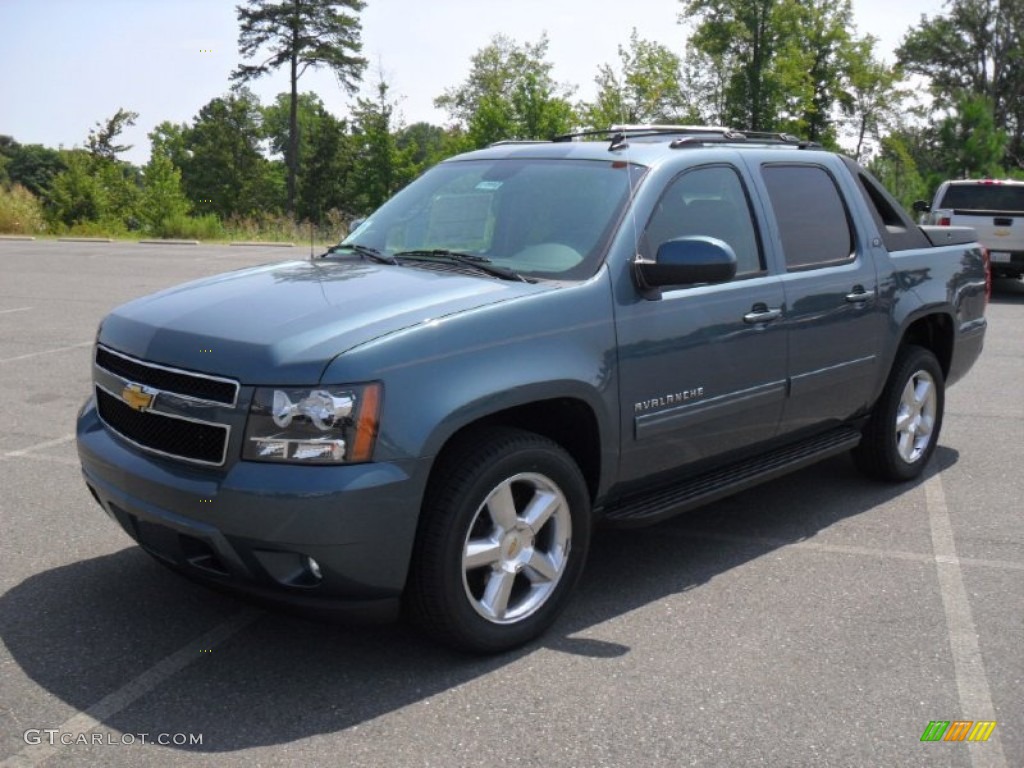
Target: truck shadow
point(84, 630)
point(1007, 291)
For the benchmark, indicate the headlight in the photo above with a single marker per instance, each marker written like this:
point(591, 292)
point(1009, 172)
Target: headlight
point(322, 425)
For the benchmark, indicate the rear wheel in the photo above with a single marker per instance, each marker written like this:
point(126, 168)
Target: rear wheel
point(505, 530)
point(903, 429)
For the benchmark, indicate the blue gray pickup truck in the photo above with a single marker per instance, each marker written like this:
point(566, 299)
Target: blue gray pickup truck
point(528, 341)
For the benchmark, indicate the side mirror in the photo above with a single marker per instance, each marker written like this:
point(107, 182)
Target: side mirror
point(920, 206)
point(688, 261)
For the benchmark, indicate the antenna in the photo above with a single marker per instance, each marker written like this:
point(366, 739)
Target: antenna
point(310, 239)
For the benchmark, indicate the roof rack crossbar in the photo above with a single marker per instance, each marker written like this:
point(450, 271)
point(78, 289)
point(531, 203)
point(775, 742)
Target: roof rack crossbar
point(692, 135)
point(505, 142)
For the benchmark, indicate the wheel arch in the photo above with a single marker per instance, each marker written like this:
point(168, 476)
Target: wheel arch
point(569, 421)
point(935, 332)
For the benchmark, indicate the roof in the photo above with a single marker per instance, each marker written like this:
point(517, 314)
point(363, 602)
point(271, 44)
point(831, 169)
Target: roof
point(641, 144)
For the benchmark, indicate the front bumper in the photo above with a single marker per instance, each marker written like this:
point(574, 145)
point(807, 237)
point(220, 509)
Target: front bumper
point(254, 527)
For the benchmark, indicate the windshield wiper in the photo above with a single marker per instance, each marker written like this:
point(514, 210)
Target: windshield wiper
point(468, 259)
point(363, 250)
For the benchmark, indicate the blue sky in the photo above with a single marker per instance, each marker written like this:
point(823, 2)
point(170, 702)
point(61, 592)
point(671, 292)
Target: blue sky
point(67, 64)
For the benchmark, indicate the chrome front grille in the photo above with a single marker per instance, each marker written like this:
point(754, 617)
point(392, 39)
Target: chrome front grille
point(168, 411)
point(199, 386)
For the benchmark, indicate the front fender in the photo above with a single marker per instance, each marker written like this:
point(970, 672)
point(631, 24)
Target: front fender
point(444, 375)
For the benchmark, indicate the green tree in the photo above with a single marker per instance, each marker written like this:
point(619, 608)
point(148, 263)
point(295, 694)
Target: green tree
point(874, 99)
point(746, 35)
point(646, 87)
point(77, 196)
point(509, 94)
point(225, 172)
point(121, 186)
point(770, 65)
point(300, 34)
point(162, 198)
point(812, 65)
point(327, 167)
point(171, 140)
point(425, 144)
point(977, 47)
point(896, 168)
point(101, 138)
point(277, 120)
point(973, 145)
point(33, 166)
point(381, 168)
point(706, 80)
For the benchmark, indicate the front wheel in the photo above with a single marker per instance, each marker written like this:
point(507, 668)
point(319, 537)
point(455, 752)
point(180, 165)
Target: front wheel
point(505, 530)
point(903, 429)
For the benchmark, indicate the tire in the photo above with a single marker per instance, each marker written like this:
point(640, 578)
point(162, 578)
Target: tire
point(501, 544)
point(904, 426)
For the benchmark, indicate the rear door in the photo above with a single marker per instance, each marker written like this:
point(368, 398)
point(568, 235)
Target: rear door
point(832, 313)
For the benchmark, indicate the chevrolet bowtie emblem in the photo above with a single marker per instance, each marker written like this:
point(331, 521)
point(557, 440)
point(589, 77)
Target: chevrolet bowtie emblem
point(137, 397)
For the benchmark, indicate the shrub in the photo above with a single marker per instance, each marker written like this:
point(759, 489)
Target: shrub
point(180, 226)
point(21, 213)
point(105, 227)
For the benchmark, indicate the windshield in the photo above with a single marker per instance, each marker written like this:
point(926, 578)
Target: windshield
point(984, 197)
point(546, 218)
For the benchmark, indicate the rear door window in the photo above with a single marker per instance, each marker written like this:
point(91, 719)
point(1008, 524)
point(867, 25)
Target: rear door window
point(813, 223)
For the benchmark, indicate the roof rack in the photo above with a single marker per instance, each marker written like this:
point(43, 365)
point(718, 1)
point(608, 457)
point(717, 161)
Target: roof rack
point(504, 142)
point(692, 136)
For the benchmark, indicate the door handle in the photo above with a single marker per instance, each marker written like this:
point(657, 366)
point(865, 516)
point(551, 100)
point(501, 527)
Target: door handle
point(760, 313)
point(859, 296)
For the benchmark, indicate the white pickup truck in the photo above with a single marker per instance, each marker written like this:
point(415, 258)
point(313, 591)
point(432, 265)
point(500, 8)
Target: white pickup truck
point(994, 208)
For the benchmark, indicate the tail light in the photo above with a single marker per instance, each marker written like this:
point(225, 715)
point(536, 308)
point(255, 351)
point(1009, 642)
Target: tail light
point(988, 274)
point(944, 221)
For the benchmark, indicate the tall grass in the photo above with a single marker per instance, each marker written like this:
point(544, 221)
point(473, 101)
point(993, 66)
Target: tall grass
point(20, 212)
point(207, 227)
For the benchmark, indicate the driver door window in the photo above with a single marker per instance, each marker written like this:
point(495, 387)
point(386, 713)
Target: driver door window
point(710, 202)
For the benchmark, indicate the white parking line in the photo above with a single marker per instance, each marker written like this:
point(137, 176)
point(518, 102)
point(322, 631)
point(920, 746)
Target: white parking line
point(48, 459)
point(844, 549)
point(39, 446)
point(18, 309)
point(45, 352)
point(29, 453)
point(122, 698)
point(969, 667)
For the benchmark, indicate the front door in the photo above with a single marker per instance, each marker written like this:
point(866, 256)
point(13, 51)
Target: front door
point(702, 368)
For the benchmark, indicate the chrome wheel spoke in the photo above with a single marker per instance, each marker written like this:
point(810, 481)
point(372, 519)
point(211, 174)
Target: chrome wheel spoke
point(497, 593)
point(923, 391)
point(481, 553)
point(540, 509)
point(906, 445)
point(502, 507)
point(904, 421)
point(540, 569)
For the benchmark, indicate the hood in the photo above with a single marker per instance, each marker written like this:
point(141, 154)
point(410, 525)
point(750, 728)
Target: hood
point(283, 323)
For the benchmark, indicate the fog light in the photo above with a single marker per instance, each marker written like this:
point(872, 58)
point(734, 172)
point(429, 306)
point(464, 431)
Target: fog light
point(314, 568)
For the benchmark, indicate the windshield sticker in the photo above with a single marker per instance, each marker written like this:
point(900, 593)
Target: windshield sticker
point(488, 185)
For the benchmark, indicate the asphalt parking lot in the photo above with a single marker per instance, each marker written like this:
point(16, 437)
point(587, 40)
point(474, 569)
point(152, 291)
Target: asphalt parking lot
point(822, 619)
